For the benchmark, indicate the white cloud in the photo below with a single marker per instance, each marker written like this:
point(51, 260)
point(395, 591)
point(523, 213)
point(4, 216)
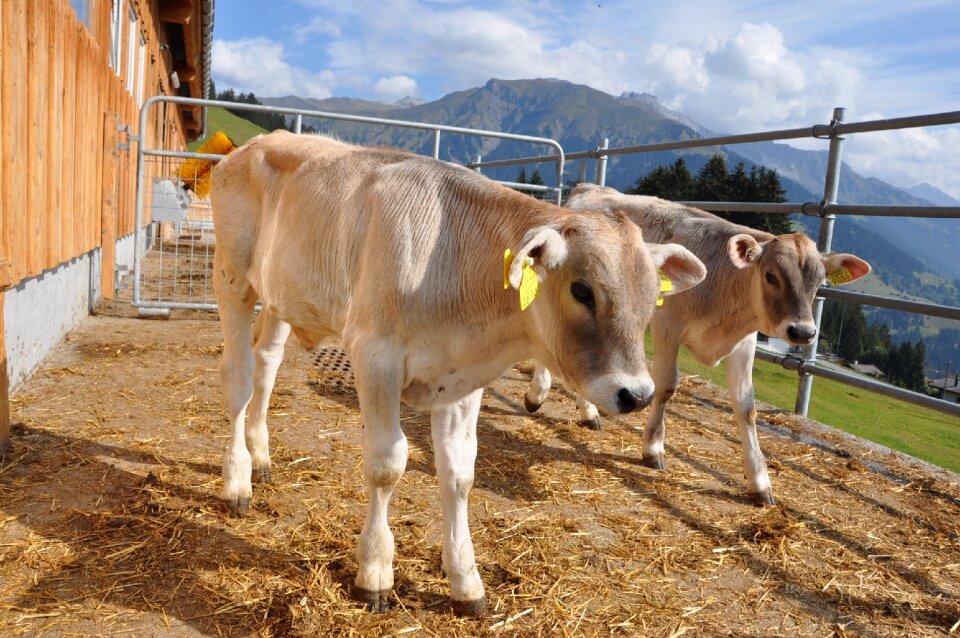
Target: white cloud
point(396, 87)
point(318, 28)
point(258, 65)
point(909, 156)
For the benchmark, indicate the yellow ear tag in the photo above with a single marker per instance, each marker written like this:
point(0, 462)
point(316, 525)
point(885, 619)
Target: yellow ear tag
point(528, 283)
point(665, 286)
point(839, 276)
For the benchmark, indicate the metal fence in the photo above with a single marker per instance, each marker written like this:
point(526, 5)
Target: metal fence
point(175, 273)
point(827, 209)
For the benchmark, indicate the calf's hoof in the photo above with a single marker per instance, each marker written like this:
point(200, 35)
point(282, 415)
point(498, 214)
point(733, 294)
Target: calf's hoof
point(655, 462)
point(238, 506)
point(263, 476)
point(530, 405)
point(762, 499)
point(470, 608)
point(591, 424)
point(377, 602)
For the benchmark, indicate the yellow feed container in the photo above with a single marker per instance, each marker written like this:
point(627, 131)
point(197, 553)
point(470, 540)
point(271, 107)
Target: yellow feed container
point(195, 173)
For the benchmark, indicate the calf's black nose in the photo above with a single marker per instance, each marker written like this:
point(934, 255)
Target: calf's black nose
point(801, 333)
point(628, 400)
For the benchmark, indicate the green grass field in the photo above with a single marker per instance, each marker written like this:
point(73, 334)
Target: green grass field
point(236, 128)
point(925, 434)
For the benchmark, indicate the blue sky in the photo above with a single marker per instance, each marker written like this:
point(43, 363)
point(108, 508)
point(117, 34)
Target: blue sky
point(731, 66)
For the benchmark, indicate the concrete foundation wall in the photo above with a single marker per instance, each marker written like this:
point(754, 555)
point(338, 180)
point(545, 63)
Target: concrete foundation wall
point(40, 311)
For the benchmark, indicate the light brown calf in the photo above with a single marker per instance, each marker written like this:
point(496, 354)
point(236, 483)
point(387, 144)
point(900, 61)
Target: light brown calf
point(755, 282)
point(403, 257)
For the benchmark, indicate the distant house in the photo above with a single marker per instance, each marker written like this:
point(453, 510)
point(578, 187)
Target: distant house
point(868, 369)
point(947, 388)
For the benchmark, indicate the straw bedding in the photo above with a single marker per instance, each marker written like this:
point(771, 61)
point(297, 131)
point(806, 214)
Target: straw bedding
point(110, 522)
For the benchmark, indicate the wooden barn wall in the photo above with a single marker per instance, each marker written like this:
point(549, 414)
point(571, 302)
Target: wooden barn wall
point(58, 94)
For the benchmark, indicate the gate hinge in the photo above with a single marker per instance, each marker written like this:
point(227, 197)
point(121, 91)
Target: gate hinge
point(125, 146)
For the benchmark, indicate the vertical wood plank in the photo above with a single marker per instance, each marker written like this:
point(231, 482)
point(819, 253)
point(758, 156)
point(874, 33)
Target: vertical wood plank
point(104, 102)
point(79, 203)
point(37, 193)
point(70, 127)
point(108, 207)
point(89, 187)
point(54, 140)
point(13, 133)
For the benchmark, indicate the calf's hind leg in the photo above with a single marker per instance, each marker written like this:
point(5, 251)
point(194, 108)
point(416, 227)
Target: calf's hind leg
point(235, 301)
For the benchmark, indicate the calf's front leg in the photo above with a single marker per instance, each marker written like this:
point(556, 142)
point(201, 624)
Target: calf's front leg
point(665, 380)
point(379, 379)
point(540, 387)
point(740, 384)
point(454, 431)
point(268, 355)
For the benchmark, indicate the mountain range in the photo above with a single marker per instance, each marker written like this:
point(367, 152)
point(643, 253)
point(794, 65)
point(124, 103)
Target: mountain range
point(578, 117)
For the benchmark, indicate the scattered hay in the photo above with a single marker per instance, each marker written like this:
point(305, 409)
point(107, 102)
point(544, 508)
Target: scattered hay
point(110, 521)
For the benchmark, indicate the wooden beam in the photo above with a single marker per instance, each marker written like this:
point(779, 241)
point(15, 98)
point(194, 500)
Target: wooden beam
point(185, 72)
point(179, 11)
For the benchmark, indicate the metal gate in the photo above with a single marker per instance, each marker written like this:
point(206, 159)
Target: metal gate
point(172, 187)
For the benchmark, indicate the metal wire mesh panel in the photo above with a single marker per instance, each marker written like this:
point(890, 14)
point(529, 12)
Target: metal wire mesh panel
point(177, 270)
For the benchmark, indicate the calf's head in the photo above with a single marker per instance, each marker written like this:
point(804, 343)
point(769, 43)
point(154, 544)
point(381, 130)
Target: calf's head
point(786, 273)
point(599, 286)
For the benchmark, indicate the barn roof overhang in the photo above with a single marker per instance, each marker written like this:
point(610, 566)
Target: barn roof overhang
point(189, 35)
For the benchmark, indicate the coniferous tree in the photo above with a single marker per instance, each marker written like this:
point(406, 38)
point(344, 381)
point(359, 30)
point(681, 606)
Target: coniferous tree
point(674, 183)
point(713, 180)
point(852, 332)
point(715, 183)
point(914, 376)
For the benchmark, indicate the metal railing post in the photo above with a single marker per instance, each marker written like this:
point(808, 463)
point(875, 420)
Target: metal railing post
point(436, 144)
point(298, 124)
point(602, 162)
point(476, 160)
point(831, 187)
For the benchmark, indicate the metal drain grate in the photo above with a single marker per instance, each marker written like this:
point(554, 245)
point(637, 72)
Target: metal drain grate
point(333, 369)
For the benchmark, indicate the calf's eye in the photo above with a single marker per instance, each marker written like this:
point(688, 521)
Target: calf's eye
point(771, 278)
point(581, 292)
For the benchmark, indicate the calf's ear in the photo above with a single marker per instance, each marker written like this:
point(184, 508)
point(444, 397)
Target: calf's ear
point(842, 268)
point(544, 247)
point(744, 250)
point(682, 267)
